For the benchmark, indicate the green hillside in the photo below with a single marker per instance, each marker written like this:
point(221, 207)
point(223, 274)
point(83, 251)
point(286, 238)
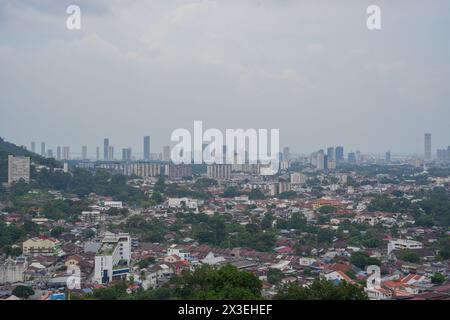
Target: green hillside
point(7, 148)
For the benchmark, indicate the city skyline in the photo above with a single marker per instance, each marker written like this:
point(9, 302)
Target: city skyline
point(185, 60)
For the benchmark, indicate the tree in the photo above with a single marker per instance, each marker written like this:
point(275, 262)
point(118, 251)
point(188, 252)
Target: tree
point(226, 283)
point(256, 194)
point(157, 197)
point(322, 289)
point(274, 276)
point(231, 192)
point(57, 231)
point(327, 209)
point(23, 291)
point(438, 278)
point(408, 255)
point(362, 260)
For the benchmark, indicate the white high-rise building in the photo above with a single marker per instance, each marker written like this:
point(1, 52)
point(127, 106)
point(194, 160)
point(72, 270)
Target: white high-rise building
point(112, 260)
point(166, 153)
point(18, 168)
point(66, 153)
point(84, 152)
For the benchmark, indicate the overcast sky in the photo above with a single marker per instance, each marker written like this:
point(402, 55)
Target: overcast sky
point(146, 67)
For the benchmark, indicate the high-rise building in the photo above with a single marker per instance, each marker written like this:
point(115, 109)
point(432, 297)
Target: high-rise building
point(43, 149)
point(112, 261)
point(166, 153)
point(351, 157)
point(286, 153)
point(219, 171)
point(97, 154)
point(339, 154)
point(427, 146)
point(58, 153)
point(18, 168)
point(331, 154)
point(84, 152)
point(33, 146)
point(178, 171)
point(320, 160)
point(50, 153)
point(126, 154)
point(388, 156)
point(110, 155)
point(106, 149)
point(298, 178)
point(147, 148)
point(65, 153)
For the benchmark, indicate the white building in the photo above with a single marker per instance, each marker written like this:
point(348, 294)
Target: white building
point(183, 202)
point(18, 168)
point(12, 271)
point(113, 258)
point(298, 178)
point(92, 216)
point(113, 204)
point(401, 244)
point(177, 251)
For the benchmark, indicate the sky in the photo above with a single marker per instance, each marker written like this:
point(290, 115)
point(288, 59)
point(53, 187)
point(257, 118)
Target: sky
point(310, 68)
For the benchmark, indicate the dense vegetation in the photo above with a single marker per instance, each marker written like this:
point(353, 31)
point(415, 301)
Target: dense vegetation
point(205, 283)
point(322, 290)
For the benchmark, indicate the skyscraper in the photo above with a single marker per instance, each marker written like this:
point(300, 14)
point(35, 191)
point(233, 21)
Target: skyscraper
point(33, 146)
point(126, 154)
point(110, 155)
point(43, 149)
point(106, 149)
point(97, 154)
point(339, 154)
point(18, 168)
point(331, 154)
point(147, 148)
point(286, 153)
point(166, 153)
point(84, 152)
point(388, 156)
point(427, 146)
point(352, 157)
point(58, 153)
point(65, 153)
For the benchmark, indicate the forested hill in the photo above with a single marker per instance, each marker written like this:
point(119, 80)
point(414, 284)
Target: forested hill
point(7, 148)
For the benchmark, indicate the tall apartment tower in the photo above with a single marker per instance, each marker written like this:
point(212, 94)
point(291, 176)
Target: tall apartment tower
point(126, 154)
point(65, 153)
point(97, 154)
point(147, 148)
point(286, 153)
point(106, 149)
point(110, 153)
point(33, 146)
point(339, 153)
point(43, 149)
point(84, 152)
point(166, 153)
point(331, 154)
point(427, 146)
point(388, 156)
point(18, 168)
point(58, 153)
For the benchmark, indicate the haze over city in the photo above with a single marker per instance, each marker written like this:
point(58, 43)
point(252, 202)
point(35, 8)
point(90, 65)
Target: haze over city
point(309, 68)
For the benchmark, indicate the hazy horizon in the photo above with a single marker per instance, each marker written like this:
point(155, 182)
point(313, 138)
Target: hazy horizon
point(310, 68)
